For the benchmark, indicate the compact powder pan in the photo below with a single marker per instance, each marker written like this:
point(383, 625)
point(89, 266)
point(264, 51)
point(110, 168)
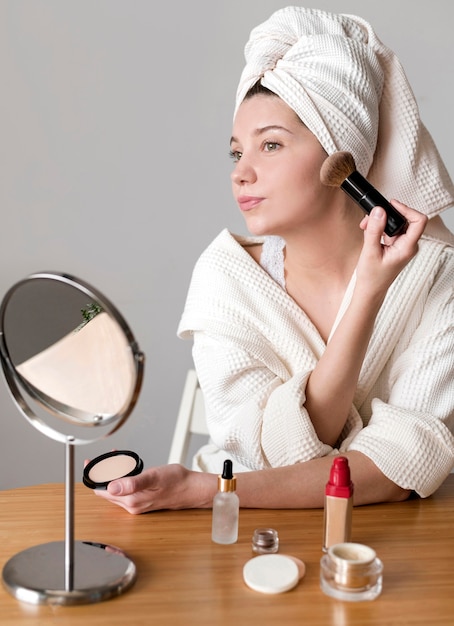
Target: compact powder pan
point(99, 472)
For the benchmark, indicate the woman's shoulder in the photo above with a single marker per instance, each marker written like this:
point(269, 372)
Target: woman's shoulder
point(438, 234)
point(436, 247)
point(228, 240)
point(230, 246)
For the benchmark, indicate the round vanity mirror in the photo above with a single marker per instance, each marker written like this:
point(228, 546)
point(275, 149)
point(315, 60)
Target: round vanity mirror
point(69, 357)
point(74, 371)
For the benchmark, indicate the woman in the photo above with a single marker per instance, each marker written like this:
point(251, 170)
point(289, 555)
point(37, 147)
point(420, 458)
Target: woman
point(319, 334)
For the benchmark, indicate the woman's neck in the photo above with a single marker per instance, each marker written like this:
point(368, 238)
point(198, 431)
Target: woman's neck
point(329, 256)
point(319, 269)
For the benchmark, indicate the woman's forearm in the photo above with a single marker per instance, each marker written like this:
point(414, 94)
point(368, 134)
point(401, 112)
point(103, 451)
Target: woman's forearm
point(303, 485)
point(332, 384)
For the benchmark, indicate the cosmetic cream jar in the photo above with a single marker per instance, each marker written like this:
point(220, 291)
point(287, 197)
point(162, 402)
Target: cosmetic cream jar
point(351, 571)
point(265, 541)
point(99, 472)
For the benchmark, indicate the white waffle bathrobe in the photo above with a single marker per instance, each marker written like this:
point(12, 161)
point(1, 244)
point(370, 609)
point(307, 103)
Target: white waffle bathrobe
point(254, 349)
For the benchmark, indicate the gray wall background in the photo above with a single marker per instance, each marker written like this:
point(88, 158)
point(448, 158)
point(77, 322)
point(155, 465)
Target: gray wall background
point(115, 121)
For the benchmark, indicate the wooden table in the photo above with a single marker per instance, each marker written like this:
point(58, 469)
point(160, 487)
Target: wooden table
point(184, 578)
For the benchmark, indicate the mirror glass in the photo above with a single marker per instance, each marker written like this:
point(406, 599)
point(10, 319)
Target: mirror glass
point(69, 357)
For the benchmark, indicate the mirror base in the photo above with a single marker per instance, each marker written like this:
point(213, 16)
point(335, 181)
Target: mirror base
point(37, 574)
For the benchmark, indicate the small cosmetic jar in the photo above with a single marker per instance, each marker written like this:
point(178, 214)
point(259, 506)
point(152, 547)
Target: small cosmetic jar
point(351, 571)
point(265, 541)
point(99, 472)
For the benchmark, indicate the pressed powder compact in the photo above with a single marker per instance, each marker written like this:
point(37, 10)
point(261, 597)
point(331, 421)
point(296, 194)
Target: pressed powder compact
point(99, 472)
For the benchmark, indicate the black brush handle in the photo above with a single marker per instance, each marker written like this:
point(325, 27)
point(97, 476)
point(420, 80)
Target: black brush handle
point(365, 194)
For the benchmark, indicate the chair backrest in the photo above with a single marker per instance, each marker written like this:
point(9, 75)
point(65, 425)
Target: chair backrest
point(190, 421)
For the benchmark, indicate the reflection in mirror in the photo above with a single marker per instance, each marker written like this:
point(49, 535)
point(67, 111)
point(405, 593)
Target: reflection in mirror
point(90, 369)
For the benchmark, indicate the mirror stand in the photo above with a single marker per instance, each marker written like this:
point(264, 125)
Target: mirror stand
point(66, 375)
point(69, 572)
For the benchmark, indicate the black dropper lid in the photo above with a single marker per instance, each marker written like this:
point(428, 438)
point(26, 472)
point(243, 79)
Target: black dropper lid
point(227, 481)
point(227, 472)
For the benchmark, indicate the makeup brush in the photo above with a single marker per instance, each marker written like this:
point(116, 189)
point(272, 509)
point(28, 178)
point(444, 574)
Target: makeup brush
point(339, 170)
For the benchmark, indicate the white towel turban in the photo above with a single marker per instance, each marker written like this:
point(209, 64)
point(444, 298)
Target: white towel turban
point(351, 91)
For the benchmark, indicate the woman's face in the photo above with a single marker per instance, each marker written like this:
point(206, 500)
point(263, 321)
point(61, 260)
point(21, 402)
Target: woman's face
point(277, 161)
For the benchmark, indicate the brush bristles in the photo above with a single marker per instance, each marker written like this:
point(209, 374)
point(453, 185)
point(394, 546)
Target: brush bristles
point(336, 168)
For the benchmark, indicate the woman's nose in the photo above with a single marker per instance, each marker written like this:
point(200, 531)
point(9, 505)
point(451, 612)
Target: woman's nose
point(243, 172)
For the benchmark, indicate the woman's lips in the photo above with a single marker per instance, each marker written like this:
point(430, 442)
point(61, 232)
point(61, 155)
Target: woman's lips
point(246, 203)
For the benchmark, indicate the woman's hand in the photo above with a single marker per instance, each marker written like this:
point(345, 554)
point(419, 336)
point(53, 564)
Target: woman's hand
point(383, 257)
point(164, 487)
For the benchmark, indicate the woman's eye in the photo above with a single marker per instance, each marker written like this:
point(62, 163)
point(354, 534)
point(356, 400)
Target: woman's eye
point(235, 155)
point(271, 146)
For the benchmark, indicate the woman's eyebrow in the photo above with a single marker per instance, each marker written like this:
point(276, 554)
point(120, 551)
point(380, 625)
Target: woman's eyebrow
point(263, 129)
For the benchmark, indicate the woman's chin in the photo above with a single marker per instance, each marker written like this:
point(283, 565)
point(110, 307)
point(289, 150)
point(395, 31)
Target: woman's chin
point(257, 229)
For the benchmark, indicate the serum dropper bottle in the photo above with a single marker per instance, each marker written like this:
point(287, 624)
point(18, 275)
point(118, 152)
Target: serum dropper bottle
point(226, 505)
point(338, 504)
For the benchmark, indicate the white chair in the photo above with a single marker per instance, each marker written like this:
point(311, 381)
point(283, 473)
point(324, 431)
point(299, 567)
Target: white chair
point(190, 420)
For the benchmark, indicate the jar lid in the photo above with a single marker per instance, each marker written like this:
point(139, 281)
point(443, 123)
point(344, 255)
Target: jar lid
point(271, 573)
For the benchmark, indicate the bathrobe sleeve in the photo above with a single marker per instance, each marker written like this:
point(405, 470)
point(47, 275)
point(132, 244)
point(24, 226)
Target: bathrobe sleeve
point(410, 433)
point(255, 412)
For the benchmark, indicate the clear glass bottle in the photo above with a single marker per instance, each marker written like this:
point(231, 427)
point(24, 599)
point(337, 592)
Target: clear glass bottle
point(226, 506)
